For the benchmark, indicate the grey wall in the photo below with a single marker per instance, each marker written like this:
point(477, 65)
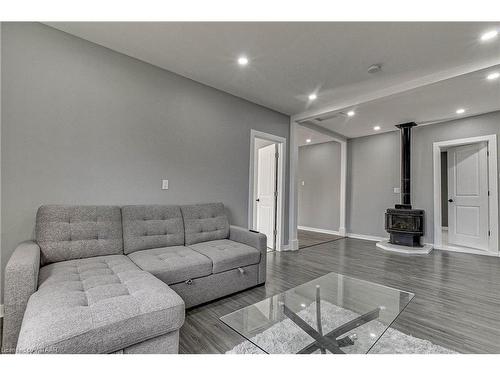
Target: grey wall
point(82, 124)
point(444, 189)
point(372, 173)
point(319, 198)
point(374, 170)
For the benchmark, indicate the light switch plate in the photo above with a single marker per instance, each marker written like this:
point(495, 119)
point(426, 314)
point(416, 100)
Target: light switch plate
point(164, 184)
point(397, 190)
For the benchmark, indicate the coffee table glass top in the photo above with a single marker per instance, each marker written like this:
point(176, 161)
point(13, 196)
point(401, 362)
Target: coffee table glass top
point(332, 314)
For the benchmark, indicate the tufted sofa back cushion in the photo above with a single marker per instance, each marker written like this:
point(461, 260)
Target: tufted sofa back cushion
point(73, 232)
point(205, 222)
point(151, 226)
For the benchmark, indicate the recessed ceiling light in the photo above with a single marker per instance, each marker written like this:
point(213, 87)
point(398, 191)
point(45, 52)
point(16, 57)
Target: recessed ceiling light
point(351, 113)
point(313, 96)
point(460, 111)
point(493, 76)
point(308, 140)
point(489, 35)
point(243, 60)
point(376, 128)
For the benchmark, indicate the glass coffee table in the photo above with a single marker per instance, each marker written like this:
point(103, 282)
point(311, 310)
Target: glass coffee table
point(332, 314)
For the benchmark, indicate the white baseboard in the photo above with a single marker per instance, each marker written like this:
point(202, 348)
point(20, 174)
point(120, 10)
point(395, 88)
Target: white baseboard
point(1, 311)
point(351, 235)
point(319, 230)
point(285, 247)
point(366, 237)
point(293, 244)
point(466, 250)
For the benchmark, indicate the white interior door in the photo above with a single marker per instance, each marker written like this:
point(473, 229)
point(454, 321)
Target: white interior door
point(266, 190)
point(468, 223)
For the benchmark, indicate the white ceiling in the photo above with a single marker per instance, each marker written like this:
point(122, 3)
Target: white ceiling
point(432, 103)
point(304, 133)
point(290, 60)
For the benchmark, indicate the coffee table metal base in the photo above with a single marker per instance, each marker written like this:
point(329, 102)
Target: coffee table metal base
point(330, 341)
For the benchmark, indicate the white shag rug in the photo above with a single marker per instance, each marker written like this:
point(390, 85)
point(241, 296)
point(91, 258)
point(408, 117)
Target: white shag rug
point(287, 337)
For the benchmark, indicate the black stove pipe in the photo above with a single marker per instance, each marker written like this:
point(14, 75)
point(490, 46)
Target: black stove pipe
point(405, 164)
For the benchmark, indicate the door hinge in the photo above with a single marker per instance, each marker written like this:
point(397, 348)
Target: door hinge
point(489, 233)
point(277, 155)
point(487, 153)
point(488, 193)
point(276, 194)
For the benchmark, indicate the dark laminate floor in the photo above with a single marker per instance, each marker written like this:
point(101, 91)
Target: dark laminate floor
point(307, 238)
point(457, 302)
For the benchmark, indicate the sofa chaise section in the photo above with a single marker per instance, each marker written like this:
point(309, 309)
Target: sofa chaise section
point(98, 305)
point(75, 292)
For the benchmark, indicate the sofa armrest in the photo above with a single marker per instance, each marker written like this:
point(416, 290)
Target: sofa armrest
point(21, 281)
point(254, 239)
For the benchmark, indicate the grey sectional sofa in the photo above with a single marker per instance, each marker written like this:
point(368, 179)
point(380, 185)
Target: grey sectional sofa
point(105, 279)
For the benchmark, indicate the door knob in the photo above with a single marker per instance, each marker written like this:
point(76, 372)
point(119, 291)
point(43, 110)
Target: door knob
point(450, 200)
point(257, 200)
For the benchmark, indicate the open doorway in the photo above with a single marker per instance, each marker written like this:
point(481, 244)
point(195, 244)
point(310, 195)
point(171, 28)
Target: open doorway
point(266, 190)
point(466, 216)
point(319, 177)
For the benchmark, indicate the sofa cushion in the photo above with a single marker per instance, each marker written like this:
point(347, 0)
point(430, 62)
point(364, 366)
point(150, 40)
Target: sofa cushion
point(227, 255)
point(173, 264)
point(205, 222)
point(151, 226)
point(72, 232)
point(97, 305)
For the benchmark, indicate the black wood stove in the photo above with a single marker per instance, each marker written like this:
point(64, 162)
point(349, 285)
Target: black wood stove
point(404, 224)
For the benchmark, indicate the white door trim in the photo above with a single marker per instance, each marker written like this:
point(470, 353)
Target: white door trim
point(492, 186)
point(294, 197)
point(282, 150)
